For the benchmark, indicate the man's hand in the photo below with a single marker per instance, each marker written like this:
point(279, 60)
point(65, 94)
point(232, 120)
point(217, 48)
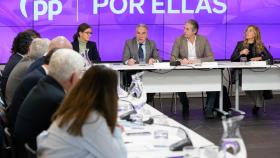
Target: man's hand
point(131, 61)
point(185, 61)
point(152, 61)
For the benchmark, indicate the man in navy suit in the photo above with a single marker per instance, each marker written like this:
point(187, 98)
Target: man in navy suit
point(32, 78)
point(35, 113)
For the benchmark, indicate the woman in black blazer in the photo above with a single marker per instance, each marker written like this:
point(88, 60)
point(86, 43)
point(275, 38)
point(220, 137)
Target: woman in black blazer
point(83, 45)
point(252, 49)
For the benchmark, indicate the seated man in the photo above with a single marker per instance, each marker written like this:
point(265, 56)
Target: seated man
point(31, 79)
point(38, 47)
point(140, 50)
point(191, 48)
point(20, 48)
point(34, 115)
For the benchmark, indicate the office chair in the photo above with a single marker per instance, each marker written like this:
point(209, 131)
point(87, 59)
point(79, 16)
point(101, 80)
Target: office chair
point(9, 142)
point(31, 153)
point(174, 106)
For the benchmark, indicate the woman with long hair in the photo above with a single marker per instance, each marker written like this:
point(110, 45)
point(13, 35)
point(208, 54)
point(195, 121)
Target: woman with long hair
point(85, 125)
point(252, 49)
point(83, 45)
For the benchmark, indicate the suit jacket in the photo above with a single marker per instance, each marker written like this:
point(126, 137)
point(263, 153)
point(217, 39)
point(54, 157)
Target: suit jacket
point(36, 111)
point(36, 64)
point(15, 78)
point(235, 57)
point(13, 60)
point(202, 47)
point(92, 53)
point(27, 83)
point(131, 50)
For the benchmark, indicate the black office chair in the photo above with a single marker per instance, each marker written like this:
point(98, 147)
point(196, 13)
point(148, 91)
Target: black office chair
point(31, 153)
point(160, 101)
point(9, 142)
point(174, 102)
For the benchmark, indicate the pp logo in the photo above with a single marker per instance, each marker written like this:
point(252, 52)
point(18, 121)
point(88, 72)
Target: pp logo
point(41, 7)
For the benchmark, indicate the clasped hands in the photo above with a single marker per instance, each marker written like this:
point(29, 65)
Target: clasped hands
point(186, 61)
point(246, 52)
point(131, 61)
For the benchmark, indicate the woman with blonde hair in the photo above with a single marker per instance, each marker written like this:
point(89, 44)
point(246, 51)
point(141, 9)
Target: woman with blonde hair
point(252, 49)
point(85, 125)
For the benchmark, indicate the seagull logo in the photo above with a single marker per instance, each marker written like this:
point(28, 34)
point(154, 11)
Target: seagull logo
point(22, 8)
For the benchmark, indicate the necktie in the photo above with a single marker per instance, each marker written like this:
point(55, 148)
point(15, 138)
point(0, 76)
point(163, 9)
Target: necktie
point(141, 53)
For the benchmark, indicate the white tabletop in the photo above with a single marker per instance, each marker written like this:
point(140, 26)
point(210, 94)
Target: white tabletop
point(205, 65)
point(147, 146)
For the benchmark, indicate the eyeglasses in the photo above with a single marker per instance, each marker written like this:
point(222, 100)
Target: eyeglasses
point(88, 33)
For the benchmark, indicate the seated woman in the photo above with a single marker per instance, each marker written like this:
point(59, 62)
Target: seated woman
point(82, 44)
point(252, 49)
point(85, 125)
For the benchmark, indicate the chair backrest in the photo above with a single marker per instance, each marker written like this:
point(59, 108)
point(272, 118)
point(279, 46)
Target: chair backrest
point(3, 118)
point(31, 153)
point(9, 142)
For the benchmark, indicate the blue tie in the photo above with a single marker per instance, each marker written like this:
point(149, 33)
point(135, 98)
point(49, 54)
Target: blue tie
point(141, 53)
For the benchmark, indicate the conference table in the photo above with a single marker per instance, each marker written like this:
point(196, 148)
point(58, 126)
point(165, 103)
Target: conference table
point(141, 141)
point(163, 78)
point(203, 77)
point(208, 76)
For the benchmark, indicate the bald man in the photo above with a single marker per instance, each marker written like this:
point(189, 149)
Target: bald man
point(31, 79)
point(56, 43)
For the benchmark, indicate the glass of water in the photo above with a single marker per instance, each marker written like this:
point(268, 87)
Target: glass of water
point(160, 137)
point(137, 118)
point(243, 60)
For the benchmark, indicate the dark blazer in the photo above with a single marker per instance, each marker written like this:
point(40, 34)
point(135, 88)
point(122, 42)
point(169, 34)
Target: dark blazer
point(36, 111)
point(235, 57)
point(131, 50)
point(13, 60)
point(203, 49)
point(27, 83)
point(36, 64)
point(92, 53)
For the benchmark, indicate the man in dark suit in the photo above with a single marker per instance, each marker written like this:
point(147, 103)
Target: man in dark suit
point(35, 113)
point(20, 48)
point(32, 78)
point(191, 48)
point(132, 48)
point(140, 50)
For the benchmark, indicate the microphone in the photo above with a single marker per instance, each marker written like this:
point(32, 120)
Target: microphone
point(126, 115)
point(175, 63)
point(177, 146)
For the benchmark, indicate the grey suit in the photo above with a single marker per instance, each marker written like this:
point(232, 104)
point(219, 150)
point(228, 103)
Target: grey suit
point(204, 53)
point(131, 50)
point(202, 47)
point(16, 76)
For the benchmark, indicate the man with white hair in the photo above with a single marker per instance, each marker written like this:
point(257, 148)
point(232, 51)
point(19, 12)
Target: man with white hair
point(57, 42)
point(32, 78)
point(34, 116)
point(38, 47)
